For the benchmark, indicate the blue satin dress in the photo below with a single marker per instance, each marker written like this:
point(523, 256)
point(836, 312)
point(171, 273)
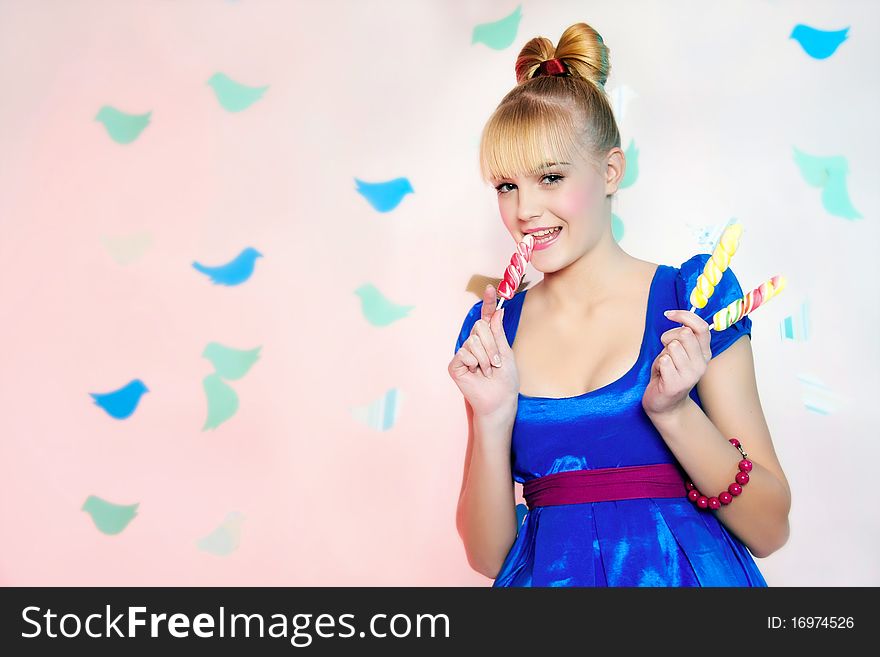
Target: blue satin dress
point(635, 542)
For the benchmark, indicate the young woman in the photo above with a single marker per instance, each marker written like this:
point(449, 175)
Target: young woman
point(584, 390)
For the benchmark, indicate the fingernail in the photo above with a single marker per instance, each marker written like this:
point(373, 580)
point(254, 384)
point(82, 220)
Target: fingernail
point(497, 359)
point(666, 312)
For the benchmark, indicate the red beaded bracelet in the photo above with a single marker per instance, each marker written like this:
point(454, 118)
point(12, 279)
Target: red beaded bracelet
point(724, 497)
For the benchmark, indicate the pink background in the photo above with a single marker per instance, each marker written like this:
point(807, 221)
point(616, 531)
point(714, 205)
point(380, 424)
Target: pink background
point(376, 91)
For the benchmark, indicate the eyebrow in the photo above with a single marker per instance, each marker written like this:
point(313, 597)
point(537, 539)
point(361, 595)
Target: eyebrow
point(545, 165)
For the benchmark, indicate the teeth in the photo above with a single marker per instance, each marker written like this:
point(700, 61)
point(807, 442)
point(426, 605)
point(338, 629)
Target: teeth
point(544, 233)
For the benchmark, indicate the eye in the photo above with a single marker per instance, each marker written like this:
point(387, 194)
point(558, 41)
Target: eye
point(555, 176)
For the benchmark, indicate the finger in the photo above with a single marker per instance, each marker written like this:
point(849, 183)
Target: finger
point(691, 345)
point(487, 337)
point(667, 370)
point(681, 334)
point(700, 328)
point(501, 342)
point(668, 336)
point(467, 358)
point(688, 318)
point(705, 341)
point(489, 302)
point(679, 356)
point(478, 350)
point(673, 334)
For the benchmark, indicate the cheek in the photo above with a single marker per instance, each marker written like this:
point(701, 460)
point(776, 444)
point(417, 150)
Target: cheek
point(577, 202)
point(508, 212)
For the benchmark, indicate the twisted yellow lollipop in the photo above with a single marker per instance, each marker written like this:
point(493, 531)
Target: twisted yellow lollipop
point(735, 311)
point(716, 265)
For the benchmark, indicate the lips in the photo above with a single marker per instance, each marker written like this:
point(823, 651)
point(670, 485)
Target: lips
point(547, 240)
point(545, 236)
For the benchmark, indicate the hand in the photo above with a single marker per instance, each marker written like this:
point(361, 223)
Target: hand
point(490, 387)
point(680, 365)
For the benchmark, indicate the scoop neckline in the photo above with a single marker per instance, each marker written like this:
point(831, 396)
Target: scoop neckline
point(627, 374)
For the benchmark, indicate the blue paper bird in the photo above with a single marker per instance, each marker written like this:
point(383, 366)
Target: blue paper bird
point(123, 402)
point(819, 44)
point(234, 272)
point(384, 196)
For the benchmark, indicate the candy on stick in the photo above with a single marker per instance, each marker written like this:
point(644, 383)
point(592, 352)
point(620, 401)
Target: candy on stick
point(743, 306)
point(716, 265)
point(515, 270)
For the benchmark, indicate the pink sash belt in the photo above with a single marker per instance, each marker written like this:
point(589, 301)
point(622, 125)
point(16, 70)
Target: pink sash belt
point(604, 484)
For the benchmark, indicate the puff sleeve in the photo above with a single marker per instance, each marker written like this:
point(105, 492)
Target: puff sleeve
point(727, 291)
point(469, 320)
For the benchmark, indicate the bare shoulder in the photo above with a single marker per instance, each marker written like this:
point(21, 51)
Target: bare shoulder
point(637, 281)
point(648, 268)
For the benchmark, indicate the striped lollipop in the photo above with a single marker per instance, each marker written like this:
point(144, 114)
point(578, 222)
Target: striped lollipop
point(716, 265)
point(515, 270)
point(743, 306)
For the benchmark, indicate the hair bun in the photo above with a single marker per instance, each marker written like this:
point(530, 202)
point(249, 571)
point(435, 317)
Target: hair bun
point(581, 50)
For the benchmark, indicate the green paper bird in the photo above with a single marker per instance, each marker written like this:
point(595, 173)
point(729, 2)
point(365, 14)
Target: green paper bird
point(123, 128)
point(229, 363)
point(108, 517)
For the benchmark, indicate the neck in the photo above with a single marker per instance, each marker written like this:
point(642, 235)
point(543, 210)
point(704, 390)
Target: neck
point(593, 278)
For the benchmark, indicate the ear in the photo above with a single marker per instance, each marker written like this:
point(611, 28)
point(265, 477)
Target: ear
point(615, 167)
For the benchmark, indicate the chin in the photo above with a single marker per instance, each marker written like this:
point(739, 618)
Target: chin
point(549, 267)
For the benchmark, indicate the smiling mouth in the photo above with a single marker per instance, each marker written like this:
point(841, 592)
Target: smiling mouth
point(544, 236)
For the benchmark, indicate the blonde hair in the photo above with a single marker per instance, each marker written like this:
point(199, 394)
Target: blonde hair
point(552, 118)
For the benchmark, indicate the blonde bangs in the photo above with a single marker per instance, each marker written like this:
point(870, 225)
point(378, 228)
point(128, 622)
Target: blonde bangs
point(522, 138)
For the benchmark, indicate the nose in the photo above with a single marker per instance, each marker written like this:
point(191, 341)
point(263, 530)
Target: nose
point(527, 207)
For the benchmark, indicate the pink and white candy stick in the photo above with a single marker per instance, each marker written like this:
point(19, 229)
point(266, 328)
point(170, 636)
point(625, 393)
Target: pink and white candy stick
point(515, 271)
point(735, 311)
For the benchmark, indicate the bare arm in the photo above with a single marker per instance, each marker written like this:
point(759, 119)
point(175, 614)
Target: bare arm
point(699, 440)
point(486, 514)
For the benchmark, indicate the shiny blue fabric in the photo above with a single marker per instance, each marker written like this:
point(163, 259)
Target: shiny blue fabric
point(638, 542)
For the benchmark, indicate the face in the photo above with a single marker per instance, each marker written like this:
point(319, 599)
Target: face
point(572, 198)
